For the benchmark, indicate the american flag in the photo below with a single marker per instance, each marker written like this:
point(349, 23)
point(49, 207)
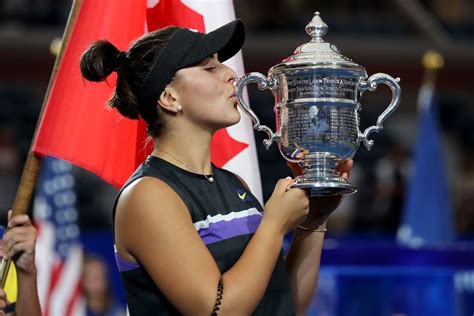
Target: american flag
point(58, 250)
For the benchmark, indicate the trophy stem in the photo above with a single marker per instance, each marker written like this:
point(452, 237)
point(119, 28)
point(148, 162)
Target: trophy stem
point(319, 165)
point(320, 178)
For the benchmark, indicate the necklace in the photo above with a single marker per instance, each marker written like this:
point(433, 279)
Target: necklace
point(209, 177)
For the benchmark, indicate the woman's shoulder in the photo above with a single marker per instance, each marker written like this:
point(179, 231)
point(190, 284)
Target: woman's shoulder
point(146, 198)
point(147, 190)
point(142, 206)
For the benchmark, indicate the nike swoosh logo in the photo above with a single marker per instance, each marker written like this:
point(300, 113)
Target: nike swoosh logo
point(242, 196)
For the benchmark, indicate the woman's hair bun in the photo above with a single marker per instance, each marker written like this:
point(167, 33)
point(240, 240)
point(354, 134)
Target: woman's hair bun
point(100, 60)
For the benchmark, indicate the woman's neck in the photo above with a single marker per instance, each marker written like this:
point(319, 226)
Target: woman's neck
point(190, 151)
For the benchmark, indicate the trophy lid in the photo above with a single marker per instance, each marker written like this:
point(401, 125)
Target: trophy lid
point(317, 52)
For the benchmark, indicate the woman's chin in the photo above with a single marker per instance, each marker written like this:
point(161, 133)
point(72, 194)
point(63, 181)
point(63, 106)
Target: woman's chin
point(228, 123)
point(236, 120)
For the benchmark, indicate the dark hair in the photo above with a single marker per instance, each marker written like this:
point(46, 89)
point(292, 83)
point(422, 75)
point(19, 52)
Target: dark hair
point(132, 67)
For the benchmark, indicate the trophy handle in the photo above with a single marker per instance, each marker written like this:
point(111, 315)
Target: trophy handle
point(263, 83)
point(371, 85)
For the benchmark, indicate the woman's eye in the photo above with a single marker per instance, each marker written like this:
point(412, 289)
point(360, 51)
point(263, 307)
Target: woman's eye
point(211, 68)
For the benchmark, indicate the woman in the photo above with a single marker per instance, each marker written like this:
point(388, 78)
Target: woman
point(190, 238)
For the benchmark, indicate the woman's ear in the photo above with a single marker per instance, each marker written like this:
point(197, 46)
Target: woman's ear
point(168, 100)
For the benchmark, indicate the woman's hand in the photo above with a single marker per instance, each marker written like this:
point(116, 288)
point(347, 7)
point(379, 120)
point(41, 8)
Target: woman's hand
point(322, 206)
point(19, 243)
point(286, 208)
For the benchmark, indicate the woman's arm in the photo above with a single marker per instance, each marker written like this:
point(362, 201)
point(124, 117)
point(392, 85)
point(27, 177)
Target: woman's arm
point(303, 258)
point(302, 264)
point(153, 226)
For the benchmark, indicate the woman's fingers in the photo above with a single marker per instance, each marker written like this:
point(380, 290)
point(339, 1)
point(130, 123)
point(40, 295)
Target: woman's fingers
point(26, 247)
point(19, 220)
point(24, 235)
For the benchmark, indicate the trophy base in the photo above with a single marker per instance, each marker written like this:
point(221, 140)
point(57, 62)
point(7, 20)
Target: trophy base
point(319, 176)
point(326, 188)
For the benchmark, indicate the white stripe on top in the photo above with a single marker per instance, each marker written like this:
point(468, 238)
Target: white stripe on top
point(228, 217)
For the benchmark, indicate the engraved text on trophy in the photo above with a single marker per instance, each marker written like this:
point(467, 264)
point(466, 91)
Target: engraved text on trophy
point(321, 86)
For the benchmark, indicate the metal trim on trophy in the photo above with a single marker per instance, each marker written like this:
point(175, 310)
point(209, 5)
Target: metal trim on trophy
point(317, 102)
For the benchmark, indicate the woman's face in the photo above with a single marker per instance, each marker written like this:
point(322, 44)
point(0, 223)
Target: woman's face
point(207, 94)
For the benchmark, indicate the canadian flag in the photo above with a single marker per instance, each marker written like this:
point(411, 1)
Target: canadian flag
point(77, 127)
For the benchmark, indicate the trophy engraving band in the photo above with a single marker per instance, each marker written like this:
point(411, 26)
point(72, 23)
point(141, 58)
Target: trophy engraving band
point(321, 86)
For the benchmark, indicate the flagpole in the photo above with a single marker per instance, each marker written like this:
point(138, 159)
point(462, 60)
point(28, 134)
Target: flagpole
point(32, 164)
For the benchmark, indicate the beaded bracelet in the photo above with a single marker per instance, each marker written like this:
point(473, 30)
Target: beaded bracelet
point(220, 291)
point(318, 230)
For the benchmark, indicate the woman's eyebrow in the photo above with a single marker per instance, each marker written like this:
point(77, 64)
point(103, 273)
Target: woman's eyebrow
point(206, 60)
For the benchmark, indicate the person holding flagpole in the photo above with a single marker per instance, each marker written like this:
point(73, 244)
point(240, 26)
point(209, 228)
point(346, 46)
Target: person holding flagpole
point(190, 238)
point(18, 244)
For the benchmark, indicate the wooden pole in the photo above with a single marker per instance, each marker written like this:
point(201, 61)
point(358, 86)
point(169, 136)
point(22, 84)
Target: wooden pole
point(32, 164)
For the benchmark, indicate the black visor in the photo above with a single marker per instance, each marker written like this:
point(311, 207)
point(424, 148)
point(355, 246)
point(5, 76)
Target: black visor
point(188, 48)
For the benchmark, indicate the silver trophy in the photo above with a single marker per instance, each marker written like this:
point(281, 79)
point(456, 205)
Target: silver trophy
point(317, 99)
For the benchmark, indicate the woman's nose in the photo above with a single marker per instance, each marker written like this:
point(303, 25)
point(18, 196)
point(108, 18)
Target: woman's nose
point(231, 76)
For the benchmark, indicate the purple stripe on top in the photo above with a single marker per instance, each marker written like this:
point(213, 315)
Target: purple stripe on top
point(227, 229)
point(124, 265)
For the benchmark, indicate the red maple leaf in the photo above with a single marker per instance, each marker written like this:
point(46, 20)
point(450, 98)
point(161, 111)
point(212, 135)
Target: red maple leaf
point(224, 147)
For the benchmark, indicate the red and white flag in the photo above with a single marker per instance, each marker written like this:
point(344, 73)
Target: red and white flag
point(76, 125)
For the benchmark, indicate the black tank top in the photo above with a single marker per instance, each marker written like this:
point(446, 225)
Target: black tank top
point(226, 216)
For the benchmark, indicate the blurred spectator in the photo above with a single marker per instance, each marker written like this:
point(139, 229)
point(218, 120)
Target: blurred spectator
point(96, 288)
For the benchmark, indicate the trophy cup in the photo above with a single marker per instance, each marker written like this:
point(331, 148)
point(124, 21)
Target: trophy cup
point(317, 99)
